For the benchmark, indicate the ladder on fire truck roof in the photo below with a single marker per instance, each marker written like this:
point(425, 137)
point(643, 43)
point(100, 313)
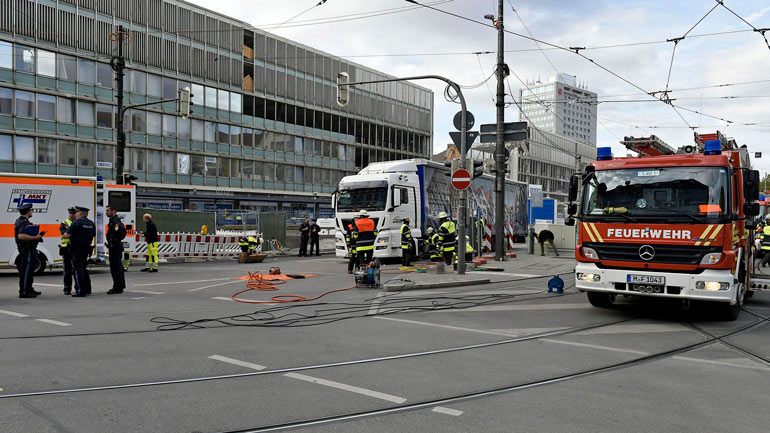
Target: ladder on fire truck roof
point(648, 146)
point(727, 143)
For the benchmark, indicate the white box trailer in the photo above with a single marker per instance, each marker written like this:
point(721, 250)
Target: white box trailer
point(50, 197)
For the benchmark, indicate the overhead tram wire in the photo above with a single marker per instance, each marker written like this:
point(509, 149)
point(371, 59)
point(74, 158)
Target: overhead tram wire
point(761, 31)
point(532, 36)
point(489, 89)
point(298, 15)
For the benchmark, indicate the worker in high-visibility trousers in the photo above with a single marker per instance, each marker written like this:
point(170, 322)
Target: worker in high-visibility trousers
point(152, 240)
point(406, 242)
point(433, 244)
point(765, 244)
point(447, 237)
point(351, 244)
point(365, 234)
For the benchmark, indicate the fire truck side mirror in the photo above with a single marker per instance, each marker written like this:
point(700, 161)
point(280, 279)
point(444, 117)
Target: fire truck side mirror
point(751, 186)
point(570, 221)
point(751, 209)
point(571, 209)
point(751, 224)
point(574, 183)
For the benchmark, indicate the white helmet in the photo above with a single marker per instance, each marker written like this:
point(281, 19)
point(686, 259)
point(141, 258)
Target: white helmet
point(363, 213)
point(442, 215)
point(429, 230)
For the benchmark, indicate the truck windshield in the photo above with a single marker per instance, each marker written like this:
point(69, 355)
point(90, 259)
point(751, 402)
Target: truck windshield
point(665, 193)
point(370, 199)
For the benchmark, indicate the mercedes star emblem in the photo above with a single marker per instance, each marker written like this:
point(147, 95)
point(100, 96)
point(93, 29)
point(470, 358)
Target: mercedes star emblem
point(646, 252)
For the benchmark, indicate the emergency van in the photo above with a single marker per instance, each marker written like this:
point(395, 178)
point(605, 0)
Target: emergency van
point(669, 224)
point(50, 197)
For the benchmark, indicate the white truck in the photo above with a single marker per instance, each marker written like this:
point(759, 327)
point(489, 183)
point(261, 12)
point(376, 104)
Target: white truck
point(419, 189)
point(50, 197)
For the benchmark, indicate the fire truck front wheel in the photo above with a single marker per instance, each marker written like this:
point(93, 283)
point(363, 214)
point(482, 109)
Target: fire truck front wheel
point(730, 311)
point(601, 299)
point(41, 263)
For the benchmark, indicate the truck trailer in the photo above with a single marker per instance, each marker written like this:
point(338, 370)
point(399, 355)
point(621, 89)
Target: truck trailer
point(50, 197)
point(667, 224)
point(419, 189)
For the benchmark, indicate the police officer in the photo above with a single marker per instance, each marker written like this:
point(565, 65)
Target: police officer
point(116, 232)
point(81, 235)
point(315, 232)
point(364, 235)
point(65, 252)
point(406, 242)
point(304, 236)
point(446, 236)
point(351, 243)
point(26, 244)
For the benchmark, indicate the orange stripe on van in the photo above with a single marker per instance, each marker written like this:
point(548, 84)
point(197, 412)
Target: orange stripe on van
point(120, 186)
point(52, 230)
point(39, 181)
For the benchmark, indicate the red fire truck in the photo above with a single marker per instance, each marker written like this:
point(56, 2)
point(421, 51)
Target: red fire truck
point(670, 224)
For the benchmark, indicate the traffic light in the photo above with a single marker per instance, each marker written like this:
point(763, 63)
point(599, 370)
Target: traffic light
point(453, 165)
point(185, 102)
point(476, 167)
point(343, 93)
point(128, 179)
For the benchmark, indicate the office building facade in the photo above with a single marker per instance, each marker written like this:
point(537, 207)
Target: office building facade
point(266, 133)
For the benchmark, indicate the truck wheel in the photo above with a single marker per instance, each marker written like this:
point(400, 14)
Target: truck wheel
point(601, 299)
point(731, 312)
point(41, 264)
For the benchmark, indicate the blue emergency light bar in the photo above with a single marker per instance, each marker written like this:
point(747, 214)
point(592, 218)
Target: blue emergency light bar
point(712, 147)
point(603, 153)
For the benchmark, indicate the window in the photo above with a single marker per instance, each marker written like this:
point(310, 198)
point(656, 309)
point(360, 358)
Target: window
point(182, 163)
point(6, 99)
point(235, 102)
point(248, 170)
point(269, 172)
point(288, 175)
point(235, 168)
point(198, 165)
point(154, 86)
point(210, 132)
point(46, 107)
point(197, 95)
point(211, 97)
point(68, 152)
point(298, 145)
point(104, 115)
point(183, 128)
point(169, 163)
point(46, 63)
point(138, 82)
point(197, 130)
point(6, 55)
point(210, 163)
point(67, 67)
point(153, 161)
point(169, 88)
point(85, 71)
point(65, 110)
point(235, 134)
point(138, 121)
point(104, 75)
point(105, 153)
point(6, 147)
point(46, 150)
point(121, 200)
point(223, 133)
point(85, 154)
point(25, 104)
point(224, 167)
point(169, 125)
point(153, 123)
point(24, 148)
point(85, 113)
point(247, 137)
point(223, 100)
point(24, 58)
point(298, 175)
point(138, 159)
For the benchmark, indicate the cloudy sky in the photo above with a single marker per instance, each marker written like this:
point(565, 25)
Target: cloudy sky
point(626, 37)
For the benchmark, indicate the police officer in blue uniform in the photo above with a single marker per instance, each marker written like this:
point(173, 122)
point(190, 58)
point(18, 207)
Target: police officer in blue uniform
point(81, 235)
point(26, 243)
point(116, 232)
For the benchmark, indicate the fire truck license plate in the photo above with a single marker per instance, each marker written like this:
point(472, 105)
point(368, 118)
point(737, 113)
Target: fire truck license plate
point(647, 279)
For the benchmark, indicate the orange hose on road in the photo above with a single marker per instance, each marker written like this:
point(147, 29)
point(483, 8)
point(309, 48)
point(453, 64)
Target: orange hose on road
point(257, 282)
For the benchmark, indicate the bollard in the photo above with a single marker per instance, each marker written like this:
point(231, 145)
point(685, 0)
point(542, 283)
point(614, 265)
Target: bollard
point(532, 240)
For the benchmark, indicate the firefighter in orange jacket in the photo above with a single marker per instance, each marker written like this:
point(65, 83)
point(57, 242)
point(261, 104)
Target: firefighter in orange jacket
point(364, 234)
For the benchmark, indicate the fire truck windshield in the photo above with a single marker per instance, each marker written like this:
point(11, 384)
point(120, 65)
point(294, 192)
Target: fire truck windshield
point(657, 193)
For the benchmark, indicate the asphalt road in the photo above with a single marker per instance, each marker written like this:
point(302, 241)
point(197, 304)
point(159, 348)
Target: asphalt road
point(175, 353)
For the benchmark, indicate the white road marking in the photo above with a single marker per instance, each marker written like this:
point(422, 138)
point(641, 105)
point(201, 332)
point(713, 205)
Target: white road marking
point(213, 285)
point(146, 292)
point(526, 331)
point(180, 282)
point(740, 362)
point(237, 362)
point(448, 411)
point(375, 308)
point(507, 274)
point(518, 307)
point(456, 328)
point(594, 346)
point(11, 313)
point(222, 298)
point(141, 297)
point(342, 386)
point(48, 285)
point(54, 322)
point(635, 329)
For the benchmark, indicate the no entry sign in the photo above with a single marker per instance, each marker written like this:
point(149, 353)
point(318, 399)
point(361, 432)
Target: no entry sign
point(461, 179)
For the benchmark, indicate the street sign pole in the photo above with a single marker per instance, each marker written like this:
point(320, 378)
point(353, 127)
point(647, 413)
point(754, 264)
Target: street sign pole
point(500, 145)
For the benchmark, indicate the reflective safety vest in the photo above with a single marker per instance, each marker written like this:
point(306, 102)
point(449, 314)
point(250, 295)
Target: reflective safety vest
point(244, 244)
point(468, 247)
point(364, 234)
point(349, 241)
point(766, 238)
point(433, 244)
point(253, 243)
point(446, 236)
point(63, 227)
point(406, 236)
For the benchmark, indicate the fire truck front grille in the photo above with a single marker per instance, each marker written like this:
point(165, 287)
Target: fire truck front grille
point(674, 254)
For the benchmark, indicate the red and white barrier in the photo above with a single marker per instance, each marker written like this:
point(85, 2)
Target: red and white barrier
point(188, 245)
point(487, 237)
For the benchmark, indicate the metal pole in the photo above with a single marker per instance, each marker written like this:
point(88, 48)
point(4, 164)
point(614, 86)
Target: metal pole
point(500, 145)
point(118, 65)
point(463, 211)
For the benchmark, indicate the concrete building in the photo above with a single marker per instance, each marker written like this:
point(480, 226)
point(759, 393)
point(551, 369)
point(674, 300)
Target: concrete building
point(560, 106)
point(266, 133)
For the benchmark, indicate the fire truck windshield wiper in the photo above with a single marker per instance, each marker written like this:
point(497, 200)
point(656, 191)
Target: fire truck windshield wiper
point(619, 211)
point(694, 217)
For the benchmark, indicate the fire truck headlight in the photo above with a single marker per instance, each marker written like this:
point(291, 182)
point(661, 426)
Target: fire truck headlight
point(712, 286)
point(383, 240)
point(711, 259)
point(590, 253)
point(591, 278)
